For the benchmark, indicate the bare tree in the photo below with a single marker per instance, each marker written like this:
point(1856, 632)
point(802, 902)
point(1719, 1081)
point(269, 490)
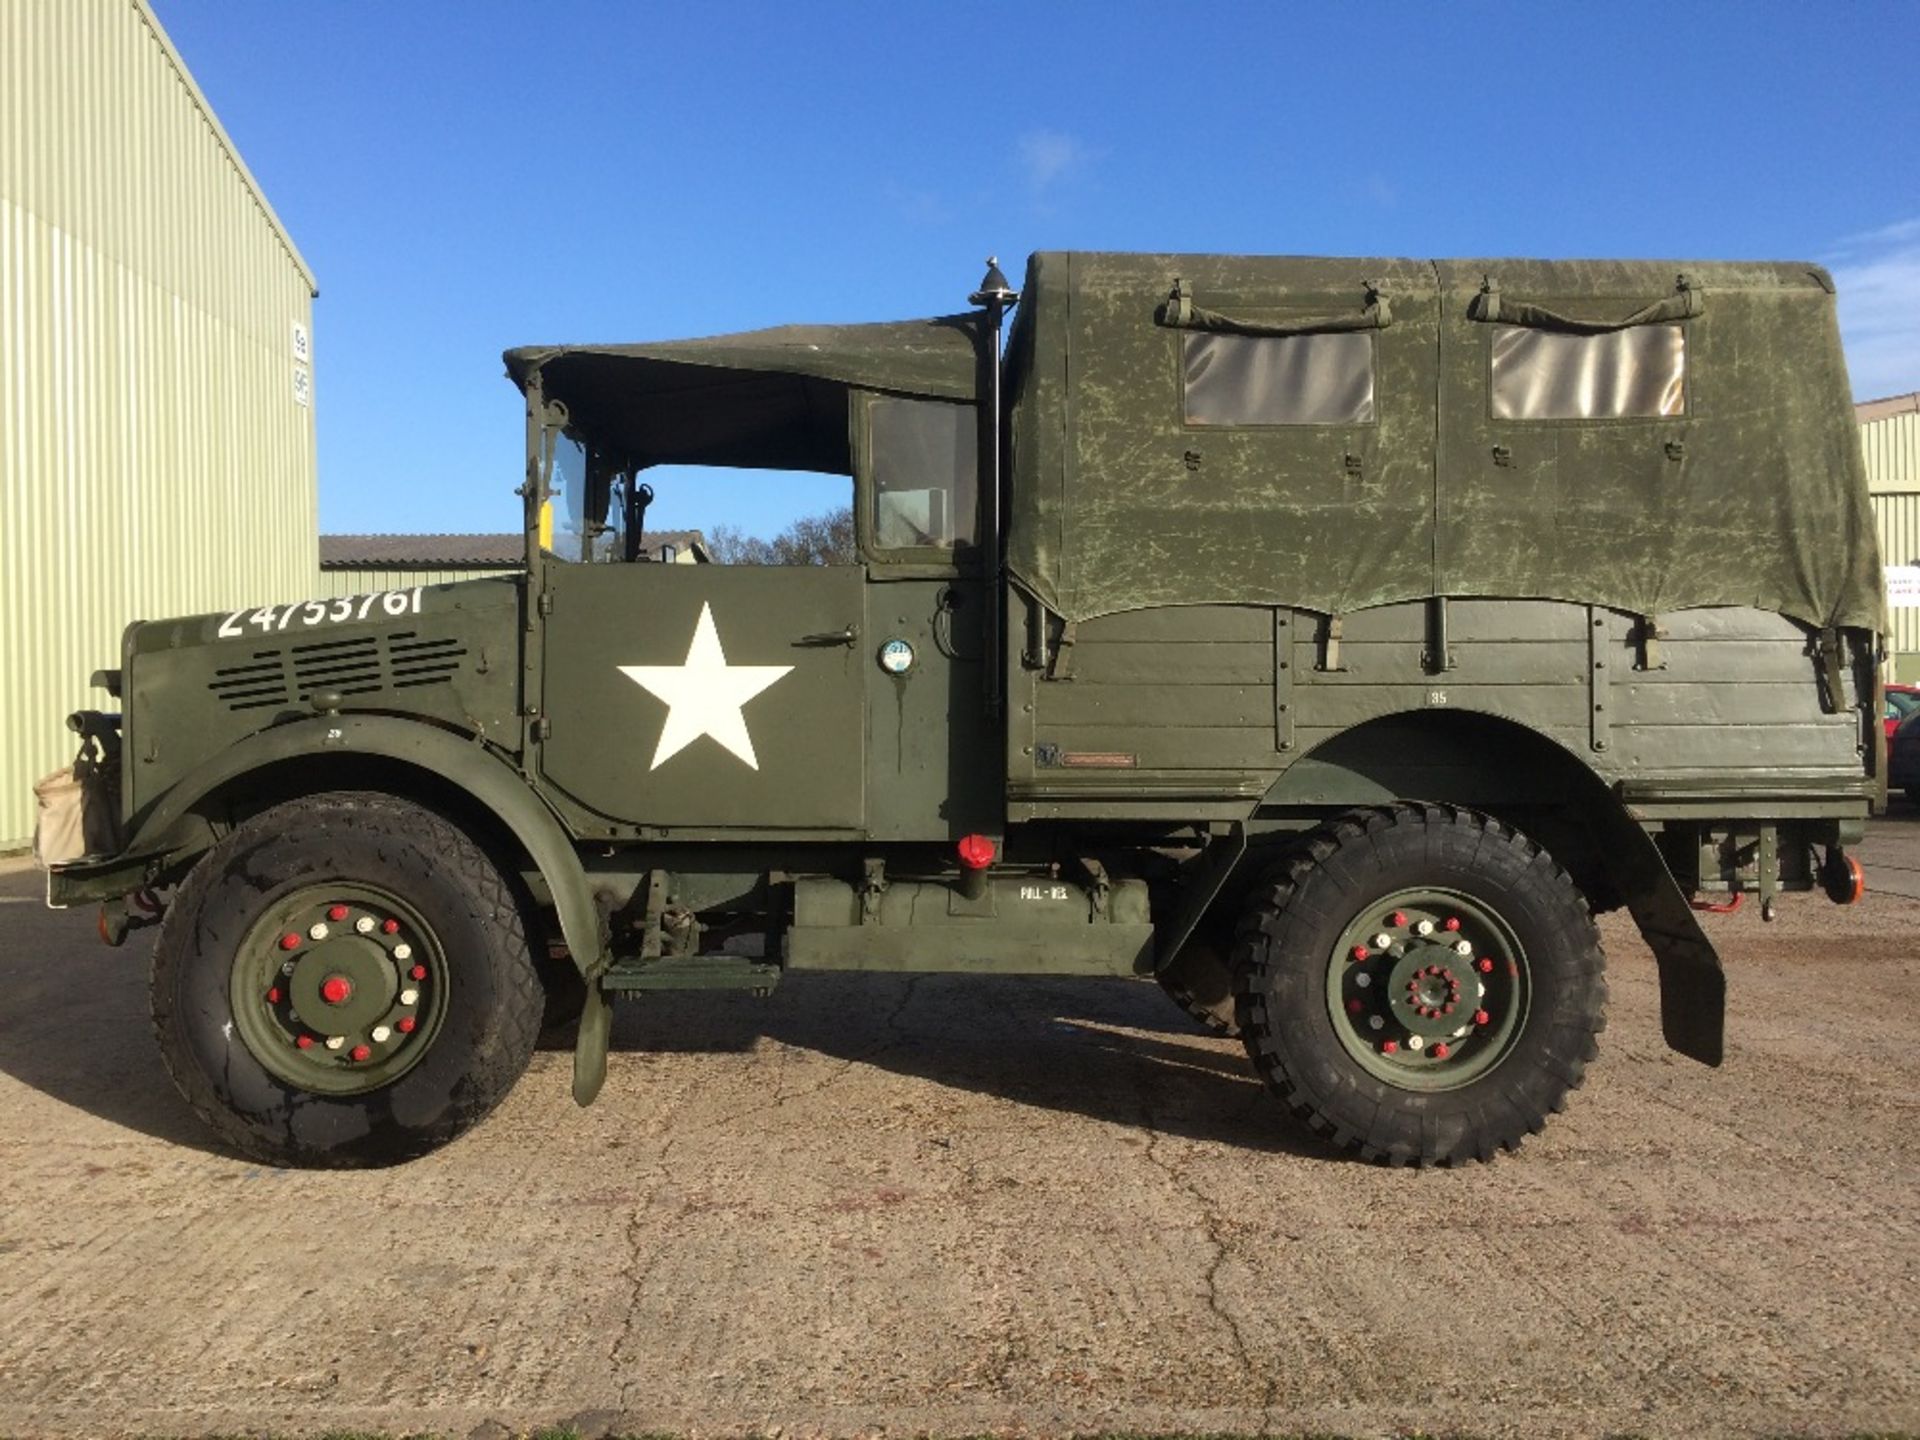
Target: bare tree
point(811, 540)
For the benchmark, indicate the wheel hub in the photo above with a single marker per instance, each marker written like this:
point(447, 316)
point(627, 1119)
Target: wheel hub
point(338, 989)
point(1426, 988)
point(1425, 991)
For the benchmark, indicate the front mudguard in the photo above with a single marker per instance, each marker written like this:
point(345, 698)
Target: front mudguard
point(165, 835)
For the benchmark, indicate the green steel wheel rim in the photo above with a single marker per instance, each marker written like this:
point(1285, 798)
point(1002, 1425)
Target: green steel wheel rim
point(1428, 989)
point(339, 988)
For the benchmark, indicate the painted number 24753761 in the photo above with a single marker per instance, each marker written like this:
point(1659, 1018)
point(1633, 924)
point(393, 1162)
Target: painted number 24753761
point(308, 613)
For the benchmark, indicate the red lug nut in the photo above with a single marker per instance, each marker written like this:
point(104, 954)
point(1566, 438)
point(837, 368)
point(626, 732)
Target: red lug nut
point(1480, 1017)
point(1390, 1047)
point(289, 942)
point(358, 1053)
point(305, 1042)
point(1440, 1051)
point(389, 927)
point(1486, 967)
point(336, 912)
point(1360, 952)
point(1397, 919)
point(335, 989)
point(1453, 922)
point(405, 1024)
point(273, 996)
point(1354, 1007)
point(418, 972)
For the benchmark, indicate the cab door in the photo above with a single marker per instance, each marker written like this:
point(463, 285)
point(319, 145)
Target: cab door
point(707, 697)
point(934, 767)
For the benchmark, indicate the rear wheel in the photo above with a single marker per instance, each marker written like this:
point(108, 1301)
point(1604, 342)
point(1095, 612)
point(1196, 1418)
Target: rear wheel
point(1420, 985)
point(345, 980)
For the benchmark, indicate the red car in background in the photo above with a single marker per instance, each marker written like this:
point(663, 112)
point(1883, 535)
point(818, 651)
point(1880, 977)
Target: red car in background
point(1902, 701)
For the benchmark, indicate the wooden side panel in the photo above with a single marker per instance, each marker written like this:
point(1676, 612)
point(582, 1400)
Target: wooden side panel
point(1190, 692)
point(1175, 690)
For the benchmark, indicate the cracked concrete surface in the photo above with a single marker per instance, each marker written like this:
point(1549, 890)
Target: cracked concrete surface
point(950, 1206)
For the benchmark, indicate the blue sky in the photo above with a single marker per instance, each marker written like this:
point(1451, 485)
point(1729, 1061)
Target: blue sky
point(464, 177)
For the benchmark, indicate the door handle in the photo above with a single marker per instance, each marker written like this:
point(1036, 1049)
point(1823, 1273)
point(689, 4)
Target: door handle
point(845, 636)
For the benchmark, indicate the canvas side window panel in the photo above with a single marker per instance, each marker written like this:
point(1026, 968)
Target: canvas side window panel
point(1278, 380)
point(1544, 375)
point(925, 474)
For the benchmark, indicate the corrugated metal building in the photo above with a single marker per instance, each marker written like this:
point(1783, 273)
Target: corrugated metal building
point(156, 416)
point(1890, 436)
point(362, 564)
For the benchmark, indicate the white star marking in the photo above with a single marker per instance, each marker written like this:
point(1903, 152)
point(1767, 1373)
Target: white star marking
point(704, 695)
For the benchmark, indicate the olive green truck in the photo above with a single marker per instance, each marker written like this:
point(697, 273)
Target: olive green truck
point(1328, 640)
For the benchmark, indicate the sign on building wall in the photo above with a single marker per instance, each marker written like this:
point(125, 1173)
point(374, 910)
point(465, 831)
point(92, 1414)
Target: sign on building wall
point(1903, 587)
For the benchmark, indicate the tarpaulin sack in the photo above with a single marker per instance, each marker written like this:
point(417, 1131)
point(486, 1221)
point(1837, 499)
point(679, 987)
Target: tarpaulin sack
point(74, 814)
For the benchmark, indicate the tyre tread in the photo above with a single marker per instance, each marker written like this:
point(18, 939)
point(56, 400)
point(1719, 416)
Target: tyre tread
point(1391, 1138)
point(385, 817)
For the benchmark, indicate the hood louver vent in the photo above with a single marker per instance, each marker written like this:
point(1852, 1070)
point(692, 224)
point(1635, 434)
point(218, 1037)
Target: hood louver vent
point(258, 683)
point(346, 667)
point(413, 661)
point(363, 665)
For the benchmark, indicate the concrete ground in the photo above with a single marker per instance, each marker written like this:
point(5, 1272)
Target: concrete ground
point(951, 1206)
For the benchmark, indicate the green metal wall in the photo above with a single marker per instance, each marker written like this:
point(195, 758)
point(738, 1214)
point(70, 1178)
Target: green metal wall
point(1892, 448)
point(357, 581)
point(156, 426)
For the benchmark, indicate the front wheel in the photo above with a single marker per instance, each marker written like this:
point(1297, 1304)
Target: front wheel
point(345, 980)
point(1422, 985)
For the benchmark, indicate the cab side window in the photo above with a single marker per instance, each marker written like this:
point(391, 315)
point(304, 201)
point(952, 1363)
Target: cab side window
point(922, 456)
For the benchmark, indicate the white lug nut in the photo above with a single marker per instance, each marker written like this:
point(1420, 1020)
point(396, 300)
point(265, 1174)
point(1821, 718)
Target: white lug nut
point(334, 1042)
point(403, 951)
point(1459, 1034)
point(319, 930)
point(1382, 941)
point(1363, 981)
point(1479, 991)
point(381, 1032)
point(1414, 1042)
point(1463, 947)
point(287, 969)
point(1375, 1022)
point(408, 997)
point(364, 924)
point(1423, 927)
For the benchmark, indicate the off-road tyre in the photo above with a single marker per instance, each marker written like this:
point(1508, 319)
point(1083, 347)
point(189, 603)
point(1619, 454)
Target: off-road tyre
point(1200, 981)
point(1295, 936)
point(472, 917)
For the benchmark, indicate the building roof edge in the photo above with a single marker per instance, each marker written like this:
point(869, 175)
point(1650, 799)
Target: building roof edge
point(1867, 411)
point(152, 20)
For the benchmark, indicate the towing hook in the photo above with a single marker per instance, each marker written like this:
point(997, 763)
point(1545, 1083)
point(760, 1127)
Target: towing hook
point(120, 918)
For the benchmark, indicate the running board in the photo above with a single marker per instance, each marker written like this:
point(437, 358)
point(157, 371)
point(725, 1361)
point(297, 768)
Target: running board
point(721, 971)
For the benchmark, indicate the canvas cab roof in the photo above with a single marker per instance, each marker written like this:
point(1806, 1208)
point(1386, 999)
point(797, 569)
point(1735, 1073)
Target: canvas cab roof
point(770, 399)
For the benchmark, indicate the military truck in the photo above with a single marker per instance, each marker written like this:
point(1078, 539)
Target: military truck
point(1326, 639)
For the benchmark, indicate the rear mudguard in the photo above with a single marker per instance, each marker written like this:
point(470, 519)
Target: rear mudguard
point(1693, 986)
